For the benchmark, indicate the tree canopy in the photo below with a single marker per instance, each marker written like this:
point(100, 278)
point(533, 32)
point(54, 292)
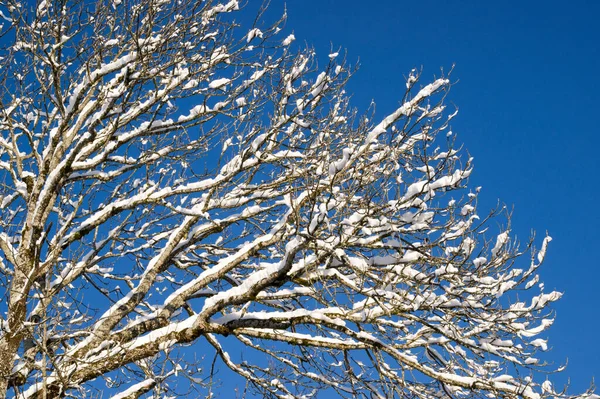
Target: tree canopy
point(183, 194)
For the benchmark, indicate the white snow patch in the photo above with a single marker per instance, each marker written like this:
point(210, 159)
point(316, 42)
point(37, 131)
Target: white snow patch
point(254, 33)
point(288, 40)
point(133, 389)
point(217, 83)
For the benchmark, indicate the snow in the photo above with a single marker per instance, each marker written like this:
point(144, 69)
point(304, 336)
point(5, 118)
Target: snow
point(21, 188)
point(8, 19)
point(359, 263)
point(542, 254)
point(254, 33)
point(501, 240)
point(134, 388)
point(480, 261)
point(340, 164)
point(545, 323)
point(254, 279)
point(532, 282)
point(42, 6)
point(218, 83)
point(406, 109)
point(257, 75)
point(158, 334)
point(319, 85)
point(191, 84)
point(540, 343)
point(232, 5)
point(326, 315)
point(286, 293)
point(467, 209)
point(288, 40)
point(547, 387)
point(539, 302)
point(194, 113)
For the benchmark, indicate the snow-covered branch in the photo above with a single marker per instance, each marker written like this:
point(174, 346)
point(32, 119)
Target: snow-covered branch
point(173, 180)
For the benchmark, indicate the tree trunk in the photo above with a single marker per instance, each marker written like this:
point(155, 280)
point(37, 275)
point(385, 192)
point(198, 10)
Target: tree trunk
point(8, 349)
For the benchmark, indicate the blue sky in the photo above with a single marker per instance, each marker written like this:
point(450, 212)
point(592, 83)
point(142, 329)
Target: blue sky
point(527, 90)
point(525, 86)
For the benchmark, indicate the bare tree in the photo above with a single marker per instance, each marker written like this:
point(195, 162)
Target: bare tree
point(176, 187)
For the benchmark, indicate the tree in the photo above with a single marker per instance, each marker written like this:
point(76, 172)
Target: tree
point(176, 187)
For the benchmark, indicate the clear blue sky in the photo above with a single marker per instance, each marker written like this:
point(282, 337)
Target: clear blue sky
point(527, 94)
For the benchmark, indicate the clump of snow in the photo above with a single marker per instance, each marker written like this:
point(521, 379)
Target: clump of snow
point(254, 33)
point(288, 40)
point(542, 252)
point(501, 240)
point(217, 83)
